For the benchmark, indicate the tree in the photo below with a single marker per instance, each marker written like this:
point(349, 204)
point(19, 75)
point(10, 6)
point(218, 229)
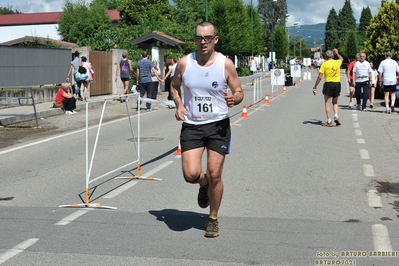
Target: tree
point(110, 4)
point(257, 31)
point(79, 23)
point(8, 10)
point(351, 48)
point(280, 42)
point(331, 40)
point(346, 22)
point(272, 14)
point(233, 23)
point(382, 33)
point(364, 21)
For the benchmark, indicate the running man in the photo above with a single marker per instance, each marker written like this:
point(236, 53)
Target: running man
point(388, 72)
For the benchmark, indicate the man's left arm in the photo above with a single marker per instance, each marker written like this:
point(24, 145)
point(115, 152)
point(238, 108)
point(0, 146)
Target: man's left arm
point(234, 84)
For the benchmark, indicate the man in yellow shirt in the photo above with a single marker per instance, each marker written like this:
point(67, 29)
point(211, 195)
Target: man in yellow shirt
point(332, 84)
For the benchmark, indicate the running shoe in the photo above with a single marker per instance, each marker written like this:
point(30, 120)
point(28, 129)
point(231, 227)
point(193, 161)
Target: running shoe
point(388, 111)
point(351, 105)
point(371, 106)
point(74, 112)
point(203, 198)
point(326, 124)
point(68, 113)
point(212, 228)
point(392, 109)
point(337, 122)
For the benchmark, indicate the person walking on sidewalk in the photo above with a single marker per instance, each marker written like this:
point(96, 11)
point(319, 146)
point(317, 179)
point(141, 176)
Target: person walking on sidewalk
point(332, 84)
point(74, 69)
point(362, 76)
point(206, 75)
point(388, 72)
point(143, 79)
point(124, 68)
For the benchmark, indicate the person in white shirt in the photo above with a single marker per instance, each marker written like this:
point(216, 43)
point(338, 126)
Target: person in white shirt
point(362, 76)
point(388, 72)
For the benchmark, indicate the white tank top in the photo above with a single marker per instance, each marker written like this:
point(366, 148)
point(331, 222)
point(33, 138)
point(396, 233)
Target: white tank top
point(203, 91)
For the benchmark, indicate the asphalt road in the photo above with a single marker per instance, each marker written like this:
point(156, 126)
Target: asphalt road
point(296, 193)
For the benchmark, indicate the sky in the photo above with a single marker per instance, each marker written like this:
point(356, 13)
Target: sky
point(304, 12)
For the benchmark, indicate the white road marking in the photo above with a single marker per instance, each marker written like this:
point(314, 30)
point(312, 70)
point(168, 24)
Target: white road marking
point(128, 185)
point(70, 218)
point(56, 137)
point(17, 249)
point(354, 117)
point(356, 125)
point(368, 170)
point(358, 132)
point(361, 141)
point(364, 154)
point(381, 238)
point(374, 199)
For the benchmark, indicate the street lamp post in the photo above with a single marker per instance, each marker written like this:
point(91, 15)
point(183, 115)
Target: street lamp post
point(271, 56)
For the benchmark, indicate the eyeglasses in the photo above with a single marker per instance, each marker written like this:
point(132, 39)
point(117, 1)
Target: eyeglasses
point(207, 38)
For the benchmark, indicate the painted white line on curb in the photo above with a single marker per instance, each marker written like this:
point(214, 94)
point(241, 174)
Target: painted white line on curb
point(358, 132)
point(70, 218)
point(364, 154)
point(130, 184)
point(374, 199)
point(361, 141)
point(381, 238)
point(17, 249)
point(368, 170)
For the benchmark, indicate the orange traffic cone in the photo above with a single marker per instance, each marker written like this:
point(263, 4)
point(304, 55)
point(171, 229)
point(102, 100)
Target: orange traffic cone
point(267, 99)
point(178, 151)
point(244, 112)
point(284, 89)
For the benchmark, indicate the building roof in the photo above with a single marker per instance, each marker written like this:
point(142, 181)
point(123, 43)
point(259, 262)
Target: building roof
point(42, 18)
point(33, 38)
point(157, 38)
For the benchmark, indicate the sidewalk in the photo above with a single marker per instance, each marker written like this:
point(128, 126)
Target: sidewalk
point(10, 115)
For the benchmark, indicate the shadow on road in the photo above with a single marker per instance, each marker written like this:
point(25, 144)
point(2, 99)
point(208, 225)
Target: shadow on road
point(181, 220)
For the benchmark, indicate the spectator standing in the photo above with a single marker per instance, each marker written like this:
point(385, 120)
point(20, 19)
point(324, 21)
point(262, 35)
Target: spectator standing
point(143, 77)
point(66, 98)
point(155, 79)
point(332, 85)
point(74, 67)
point(167, 70)
point(124, 68)
point(373, 81)
point(172, 73)
point(388, 73)
point(362, 76)
point(206, 75)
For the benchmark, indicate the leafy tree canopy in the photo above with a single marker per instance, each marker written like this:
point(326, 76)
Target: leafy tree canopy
point(8, 10)
point(331, 39)
point(382, 33)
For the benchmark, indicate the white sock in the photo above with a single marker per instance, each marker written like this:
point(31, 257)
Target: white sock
point(336, 115)
point(329, 120)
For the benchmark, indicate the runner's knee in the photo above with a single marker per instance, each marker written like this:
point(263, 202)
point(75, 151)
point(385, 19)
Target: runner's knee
point(192, 181)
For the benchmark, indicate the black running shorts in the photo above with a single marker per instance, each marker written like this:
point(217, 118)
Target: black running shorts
point(214, 136)
point(332, 89)
point(389, 88)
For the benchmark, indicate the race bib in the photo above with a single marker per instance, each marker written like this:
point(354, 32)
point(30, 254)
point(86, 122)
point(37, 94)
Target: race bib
point(205, 107)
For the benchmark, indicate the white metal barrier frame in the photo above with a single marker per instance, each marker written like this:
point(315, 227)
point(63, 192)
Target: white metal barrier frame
point(125, 98)
point(257, 87)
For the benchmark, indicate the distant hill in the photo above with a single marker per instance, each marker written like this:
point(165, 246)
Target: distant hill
point(313, 34)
